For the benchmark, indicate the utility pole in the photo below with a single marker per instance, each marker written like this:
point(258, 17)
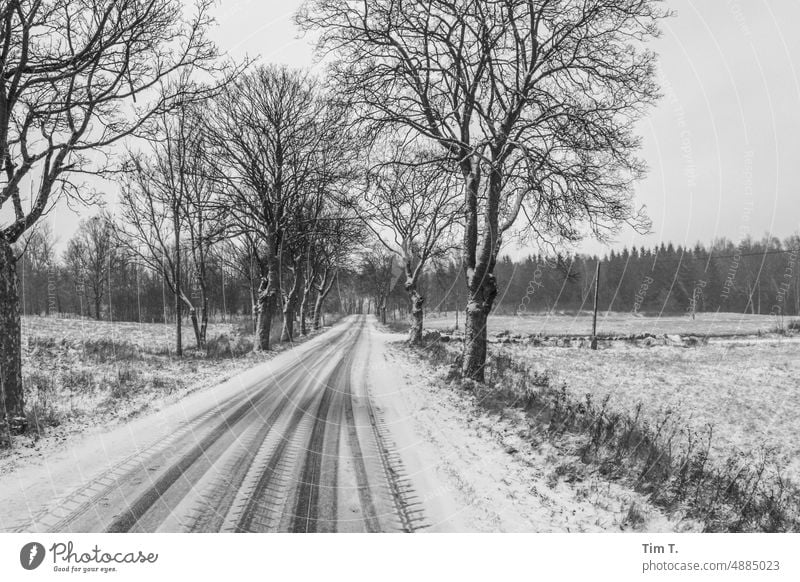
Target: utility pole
point(596, 301)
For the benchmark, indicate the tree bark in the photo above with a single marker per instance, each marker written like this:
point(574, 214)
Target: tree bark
point(287, 334)
point(264, 323)
point(204, 322)
point(474, 342)
point(267, 296)
point(254, 303)
point(416, 303)
point(304, 313)
point(322, 292)
point(200, 277)
point(307, 291)
point(479, 267)
point(177, 279)
point(12, 413)
point(198, 339)
point(318, 310)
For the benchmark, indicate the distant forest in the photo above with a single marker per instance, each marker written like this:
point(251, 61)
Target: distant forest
point(754, 276)
point(758, 277)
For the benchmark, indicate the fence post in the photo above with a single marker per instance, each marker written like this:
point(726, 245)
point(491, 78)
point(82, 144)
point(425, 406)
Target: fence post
point(596, 297)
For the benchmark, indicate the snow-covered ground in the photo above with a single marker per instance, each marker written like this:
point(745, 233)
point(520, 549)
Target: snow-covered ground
point(617, 323)
point(464, 469)
point(39, 474)
point(476, 471)
point(748, 390)
point(149, 337)
point(82, 375)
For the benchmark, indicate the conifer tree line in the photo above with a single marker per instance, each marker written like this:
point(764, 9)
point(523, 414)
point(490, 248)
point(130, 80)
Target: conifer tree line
point(752, 277)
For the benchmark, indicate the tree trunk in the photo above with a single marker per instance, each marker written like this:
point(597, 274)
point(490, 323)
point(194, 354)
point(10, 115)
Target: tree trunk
point(264, 324)
point(416, 302)
point(97, 305)
point(178, 327)
point(268, 295)
point(198, 338)
point(318, 310)
point(474, 342)
point(287, 334)
point(304, 310)
point(12, 413)
point(289, 309)
point(266, 313)
point(322, 292)
point(204, 313)
point(479, 266)
point(201, 285)
point(254, 304)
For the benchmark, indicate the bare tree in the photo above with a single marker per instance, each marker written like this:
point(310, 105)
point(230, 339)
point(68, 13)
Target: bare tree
point(333, 252)
point(92, 255)
point(539, 97)
point(74, 78)
point(169, 209)
point(238, 253)
point(381, 270)
point(35, 255)
point(411, 206)
point(265, 133)
point(203, 217)
point(329, 228)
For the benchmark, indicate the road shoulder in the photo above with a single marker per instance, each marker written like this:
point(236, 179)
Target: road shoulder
point(476, 471)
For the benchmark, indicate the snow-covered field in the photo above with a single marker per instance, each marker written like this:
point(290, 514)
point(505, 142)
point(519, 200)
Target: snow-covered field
point(491, 477)
point(150, 337)
point(617, 324)
point(749, 390)
point(82, 375)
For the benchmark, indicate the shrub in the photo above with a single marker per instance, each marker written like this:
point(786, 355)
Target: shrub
point(105, 350)
point(40, 410)
point(218, 347)
point(77, 380)
point(221, 347)
point(124, 383)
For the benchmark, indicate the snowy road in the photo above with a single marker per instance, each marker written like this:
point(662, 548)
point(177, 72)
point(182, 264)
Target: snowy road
point(296, 447)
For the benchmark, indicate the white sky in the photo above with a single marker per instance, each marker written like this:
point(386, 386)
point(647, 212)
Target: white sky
point(723, 145)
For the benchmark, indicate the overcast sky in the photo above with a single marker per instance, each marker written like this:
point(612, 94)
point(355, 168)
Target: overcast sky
point(723, 145)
